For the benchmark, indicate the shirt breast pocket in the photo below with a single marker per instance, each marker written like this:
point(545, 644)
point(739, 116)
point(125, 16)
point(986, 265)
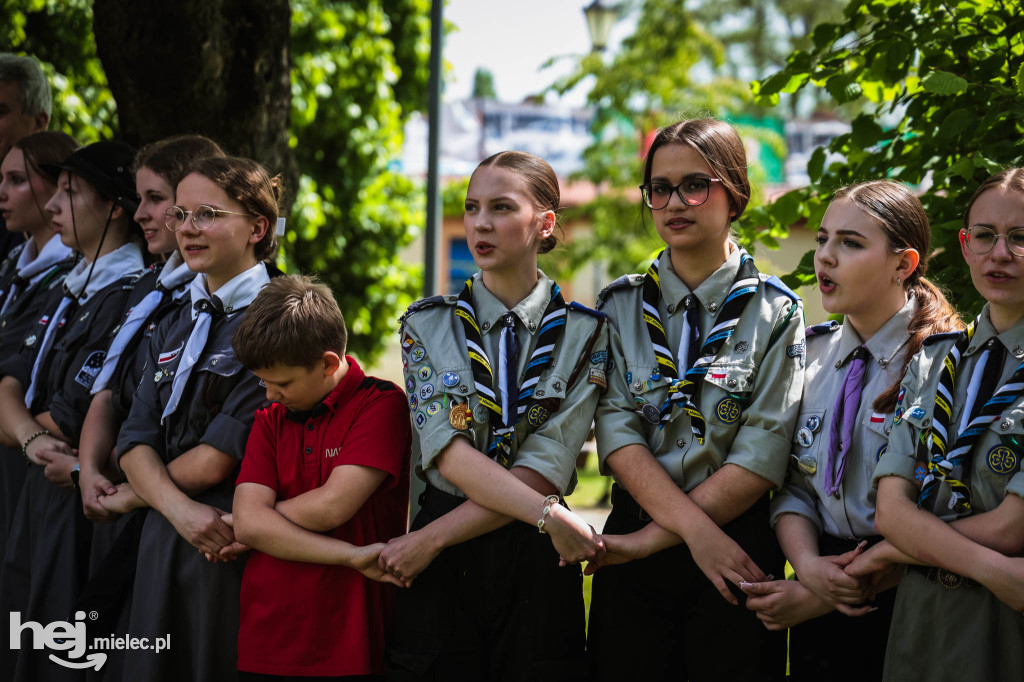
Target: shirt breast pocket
point(736, 380)
point(218, 373)
point(998, 453)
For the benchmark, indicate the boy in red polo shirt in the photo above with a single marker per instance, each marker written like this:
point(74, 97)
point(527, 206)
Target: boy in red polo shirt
point(324, 482)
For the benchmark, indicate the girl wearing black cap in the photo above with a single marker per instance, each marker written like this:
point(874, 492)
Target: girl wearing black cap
point(45, 392)
point(33, 268)
point(188, 426)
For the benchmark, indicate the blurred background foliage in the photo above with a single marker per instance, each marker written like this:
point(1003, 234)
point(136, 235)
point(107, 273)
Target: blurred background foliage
point(942, 91)
point(359, 69)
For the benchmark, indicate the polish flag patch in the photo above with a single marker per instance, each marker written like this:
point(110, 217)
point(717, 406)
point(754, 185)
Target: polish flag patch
point(878, 417)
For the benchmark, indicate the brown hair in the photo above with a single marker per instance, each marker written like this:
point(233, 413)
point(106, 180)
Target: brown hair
point(719, 145)
point(248, 183)
point(44, 149)
point(293, 321)
point(1011, 178)
point(540, 179)
point(906, 227)
point(172, 157)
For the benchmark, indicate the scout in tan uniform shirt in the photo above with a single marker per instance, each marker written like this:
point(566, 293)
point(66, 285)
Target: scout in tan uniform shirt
point(694, 456)
point(869, 269)
point(954, 453)
point(503, 381)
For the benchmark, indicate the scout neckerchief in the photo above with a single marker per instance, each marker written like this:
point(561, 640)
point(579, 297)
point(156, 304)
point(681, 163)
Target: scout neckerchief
point(955, 469)
point(174, 274)
point(844, 413)
point(31, 268)
point(79, 286)
point(551, 327)
point(232, 297)
point(683, 391)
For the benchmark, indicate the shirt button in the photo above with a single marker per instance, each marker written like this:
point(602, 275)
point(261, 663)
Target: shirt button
point(486, 326)
point(1017, 351)
point(557, 386)
point(463, 389)
point(533, 326)
point(309, 426)
point(712, 307)
point(882, 362)
point(926, 423)
point(540, 392)
point(1005, 425)
point(309, 450)
point(972, 349)
point(680, 443)
point(638, 385)
point(671, 308)
point(839, 364)
point(731, 383)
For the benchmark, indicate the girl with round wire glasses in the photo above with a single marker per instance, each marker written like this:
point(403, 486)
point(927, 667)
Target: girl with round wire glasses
point(186, 432)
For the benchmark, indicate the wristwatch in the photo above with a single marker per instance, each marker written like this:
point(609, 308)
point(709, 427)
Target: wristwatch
point(75, 470)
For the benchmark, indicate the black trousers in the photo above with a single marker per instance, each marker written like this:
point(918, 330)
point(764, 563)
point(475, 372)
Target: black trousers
point(839, 648)
point(660, 618)
point(497, 607)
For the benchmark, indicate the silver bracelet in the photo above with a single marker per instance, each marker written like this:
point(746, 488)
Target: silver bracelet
point(549, 501)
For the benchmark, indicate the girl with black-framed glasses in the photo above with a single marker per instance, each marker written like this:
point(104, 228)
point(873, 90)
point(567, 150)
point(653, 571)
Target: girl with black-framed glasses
point(695, 427)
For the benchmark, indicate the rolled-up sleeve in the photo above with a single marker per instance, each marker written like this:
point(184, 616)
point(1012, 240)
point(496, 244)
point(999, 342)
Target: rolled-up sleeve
point(616, 423)
point(762, 442)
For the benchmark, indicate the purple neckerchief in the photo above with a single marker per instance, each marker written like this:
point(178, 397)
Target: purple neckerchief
point(847, 404)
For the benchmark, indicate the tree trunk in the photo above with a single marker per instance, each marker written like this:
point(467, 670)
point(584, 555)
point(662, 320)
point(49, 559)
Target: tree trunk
point(219, 68)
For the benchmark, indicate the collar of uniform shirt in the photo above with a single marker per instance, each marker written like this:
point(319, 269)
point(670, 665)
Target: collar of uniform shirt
point(124, 261)
point(239, 292)
point(31, 266)
point(1012, 338)
point(530, 310)
point(886, 342)
point(712, 290)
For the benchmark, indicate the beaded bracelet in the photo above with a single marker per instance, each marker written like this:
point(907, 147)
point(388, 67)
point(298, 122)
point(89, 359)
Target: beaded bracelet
point(24, 446)
point(548, 502)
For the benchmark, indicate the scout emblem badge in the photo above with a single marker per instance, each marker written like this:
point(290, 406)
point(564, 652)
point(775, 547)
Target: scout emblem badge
point(460, 416)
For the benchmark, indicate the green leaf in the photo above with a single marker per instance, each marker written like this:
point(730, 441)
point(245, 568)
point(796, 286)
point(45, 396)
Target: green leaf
point(866, 131)
point(943, 83)
point(816, 164)
point(1019, 79)
point(956, 122)
point(786, 208)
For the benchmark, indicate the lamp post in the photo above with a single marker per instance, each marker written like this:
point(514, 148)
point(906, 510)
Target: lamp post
point(431, 238)
point(600, 19)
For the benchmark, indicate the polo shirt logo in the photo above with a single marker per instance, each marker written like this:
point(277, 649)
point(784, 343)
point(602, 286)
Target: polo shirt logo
point(332, 452)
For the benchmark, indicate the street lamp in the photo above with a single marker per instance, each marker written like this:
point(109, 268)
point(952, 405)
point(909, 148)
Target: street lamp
point(600, 19)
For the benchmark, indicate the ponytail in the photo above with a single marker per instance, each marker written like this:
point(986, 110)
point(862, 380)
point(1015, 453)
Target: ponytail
point(933, 315)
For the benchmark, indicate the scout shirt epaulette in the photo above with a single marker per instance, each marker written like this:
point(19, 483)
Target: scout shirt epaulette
point(584, 309)
point(128, 282)
point(823, 328)
point(620, 283)
point(428, 302)
point(777, 283)
point(935, 338)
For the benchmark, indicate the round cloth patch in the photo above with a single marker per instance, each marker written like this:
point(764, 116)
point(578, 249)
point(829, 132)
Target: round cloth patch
point(537, 415)
point(728, 410)
point(424, 372)
point(418, 353)
point(897, 416)
point(881, 451)
point(433, 408)
point(426, 391)
point(1003, 460)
